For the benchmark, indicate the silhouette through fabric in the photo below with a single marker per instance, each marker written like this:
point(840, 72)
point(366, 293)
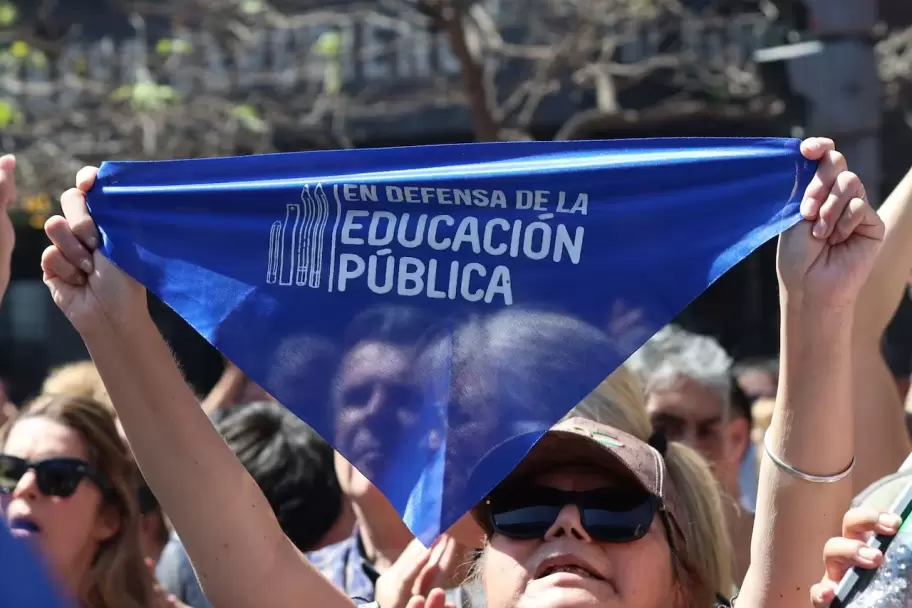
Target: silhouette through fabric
point(462, 294)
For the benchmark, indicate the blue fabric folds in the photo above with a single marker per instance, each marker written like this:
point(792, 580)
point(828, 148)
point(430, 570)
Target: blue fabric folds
point(419, 306)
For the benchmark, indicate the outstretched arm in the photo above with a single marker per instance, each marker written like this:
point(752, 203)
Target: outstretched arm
point(822, 263)
point(881, 438)
point(237, 547)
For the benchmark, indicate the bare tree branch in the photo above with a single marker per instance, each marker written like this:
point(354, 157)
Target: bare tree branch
point(224, 77)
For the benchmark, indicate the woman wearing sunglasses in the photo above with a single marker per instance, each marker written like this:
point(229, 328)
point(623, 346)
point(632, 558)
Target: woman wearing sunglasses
point(67, 483)
point(594, 516)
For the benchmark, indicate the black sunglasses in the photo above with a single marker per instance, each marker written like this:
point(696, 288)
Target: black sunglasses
point(54, 476)
point(610, 515)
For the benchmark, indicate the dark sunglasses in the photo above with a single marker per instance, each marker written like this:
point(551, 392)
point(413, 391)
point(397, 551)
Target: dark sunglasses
point(54, 476)
point(610, 515)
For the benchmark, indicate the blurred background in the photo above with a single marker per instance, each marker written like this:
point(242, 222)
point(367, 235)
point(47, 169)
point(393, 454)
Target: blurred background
point(83, 81)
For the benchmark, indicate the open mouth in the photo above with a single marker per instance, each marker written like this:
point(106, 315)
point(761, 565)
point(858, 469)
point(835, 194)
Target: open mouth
point(23, 526)
point(570, 566)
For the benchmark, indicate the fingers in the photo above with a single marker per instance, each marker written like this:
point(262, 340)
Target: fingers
point(846, 186)
point(823, 594)
point(396, 585)
point(85, 178)
point(8, 163)
point(73, 203)
point(441, 562)
point(813, 148)
point(831, 165)
point(7, 180)
point(56, 266)
point(860, 523)
point(71, 248)
point(435, 599)
point(413, 562)
point(842, 554)
point(416, 602)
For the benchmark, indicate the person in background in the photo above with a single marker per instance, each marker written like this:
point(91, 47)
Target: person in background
point(67, 484)
point(758, 378)
point(232, 389)
point(7, 408)
point(81, 379)
point(689, 387)
point(293, 467)
point(374, 382)
point(741, 410)
point(241, 552)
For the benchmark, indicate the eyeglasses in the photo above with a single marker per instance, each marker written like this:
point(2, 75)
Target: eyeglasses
point(610, 515)
point(54, 476)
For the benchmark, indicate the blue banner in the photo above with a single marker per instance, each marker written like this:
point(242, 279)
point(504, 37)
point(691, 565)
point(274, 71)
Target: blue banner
point(419, 306)
point(24, 582)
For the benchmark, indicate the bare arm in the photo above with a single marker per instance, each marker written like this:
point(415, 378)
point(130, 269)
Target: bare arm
point(881, 439)
point(229, 530)
point(239, 551)
point(226, 390)
point(823, 263)
point(794, 518)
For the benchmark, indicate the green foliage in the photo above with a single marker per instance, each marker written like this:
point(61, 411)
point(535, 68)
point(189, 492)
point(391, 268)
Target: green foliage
point(329, 44)
point(10, 115)
point(8, 14)
point(250, 118)
point(252, 7)
point(147, 96)
point(173, 46)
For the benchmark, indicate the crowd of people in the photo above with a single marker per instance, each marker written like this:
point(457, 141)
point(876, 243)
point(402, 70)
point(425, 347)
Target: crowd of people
point(684, 479)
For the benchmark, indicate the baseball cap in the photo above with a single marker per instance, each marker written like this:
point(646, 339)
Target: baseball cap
point(584, 441)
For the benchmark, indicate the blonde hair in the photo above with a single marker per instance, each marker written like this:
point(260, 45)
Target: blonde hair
point(705, 563)
point(118, 576)
point(79, 379)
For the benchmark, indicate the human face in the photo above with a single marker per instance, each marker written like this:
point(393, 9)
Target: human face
point(374, 391)
point(567, 568)
point(68, 530)
point(693, 414)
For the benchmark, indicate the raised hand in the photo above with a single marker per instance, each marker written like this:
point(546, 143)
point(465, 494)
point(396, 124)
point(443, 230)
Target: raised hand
point(434, 599)
point(417, 577)
point(842, 553)
point(86, 286)
point(824, 260)
point(7, 232)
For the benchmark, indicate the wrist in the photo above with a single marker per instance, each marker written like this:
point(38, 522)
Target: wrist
point(797, 309)
point(123, 330)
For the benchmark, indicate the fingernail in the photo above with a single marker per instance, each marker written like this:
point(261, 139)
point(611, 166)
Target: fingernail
point(820, 228)
point(806, 207)
point(889, 520)
point(868, 553)
point(86, 265)
point(92, 242)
